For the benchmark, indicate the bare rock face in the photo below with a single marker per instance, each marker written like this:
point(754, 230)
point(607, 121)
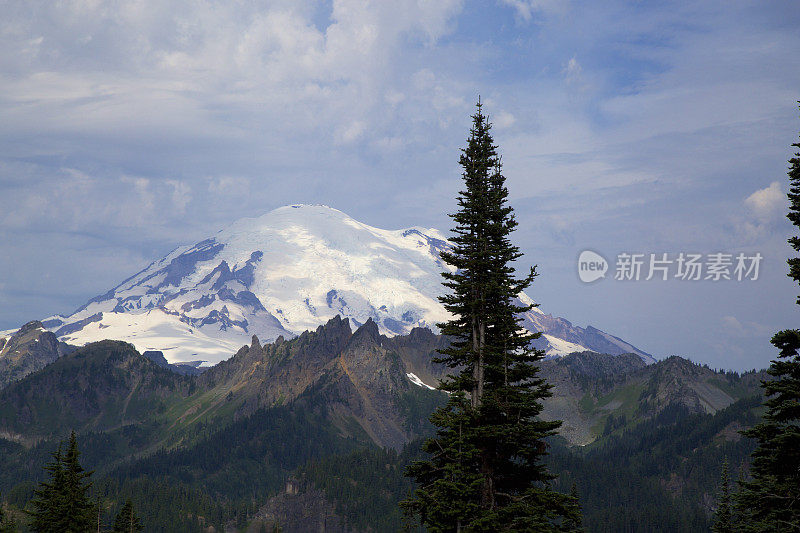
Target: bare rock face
point(417, 351)
point(364, 384)
point(362, 376)
point(359, 376)
point(678, 381)
point(281, 371)
point(30, 349)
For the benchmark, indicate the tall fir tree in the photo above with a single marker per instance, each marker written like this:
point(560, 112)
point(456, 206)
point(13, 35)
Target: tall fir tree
point(126, 520)
point(485, 470)
point(723, 519)
point(770, 500)
point(62, 504)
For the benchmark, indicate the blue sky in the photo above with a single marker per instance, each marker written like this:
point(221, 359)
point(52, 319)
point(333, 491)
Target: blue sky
point(655, 127)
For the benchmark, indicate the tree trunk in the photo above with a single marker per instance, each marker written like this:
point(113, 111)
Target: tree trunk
point(487, 491)
point(477, 370)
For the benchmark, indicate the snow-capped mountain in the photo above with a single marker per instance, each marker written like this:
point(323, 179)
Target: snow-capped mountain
point(287, 271)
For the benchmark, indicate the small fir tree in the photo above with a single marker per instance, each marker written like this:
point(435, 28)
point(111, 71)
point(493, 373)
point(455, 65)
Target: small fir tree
point(574, 523)
point(79, 512)
point(723, 520)
point(126, 520)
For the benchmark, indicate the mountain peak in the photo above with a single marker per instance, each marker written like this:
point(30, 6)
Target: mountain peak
point(309, 206)
point(30, 326)
point(368, 332)
point(290, 270)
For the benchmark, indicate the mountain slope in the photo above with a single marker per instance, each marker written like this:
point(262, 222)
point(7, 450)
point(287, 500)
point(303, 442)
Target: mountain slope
point(358, 375)
point(108, 385)
point(285, 272)
point(597, 394)
point(100, 386)
point(374, 387)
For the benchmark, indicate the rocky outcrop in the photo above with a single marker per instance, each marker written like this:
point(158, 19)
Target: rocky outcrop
point(359, 376)
point(417, 351)
point(363, 377)
point(678, 381)
point(189, 368)
point(280, 371)
point(365, 383)
point(31, 348)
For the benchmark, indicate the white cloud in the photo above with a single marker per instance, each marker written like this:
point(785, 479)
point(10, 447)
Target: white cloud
point(143, 205)
point(229, 186)
point(503, 119)
point(762, 214)
point(527, 8)
point(181, 195)
point(736, 328)
point(173, 67)
point(767, 204)
point(351, 132)
point(572, 70)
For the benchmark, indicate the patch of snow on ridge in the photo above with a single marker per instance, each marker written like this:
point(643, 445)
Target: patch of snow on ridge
point(559, 347)
point(418, 382)
point(527, 300)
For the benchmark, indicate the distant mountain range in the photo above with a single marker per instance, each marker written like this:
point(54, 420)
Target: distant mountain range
point(285, 272)
point(318, 428)
point(369, 383)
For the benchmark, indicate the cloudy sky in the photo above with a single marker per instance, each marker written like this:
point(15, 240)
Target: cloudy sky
point(129, 127)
